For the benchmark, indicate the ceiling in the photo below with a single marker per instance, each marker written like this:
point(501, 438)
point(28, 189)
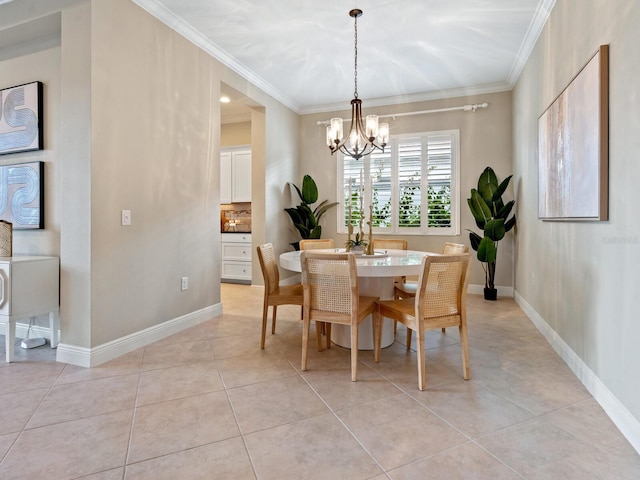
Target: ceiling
point(302, 51)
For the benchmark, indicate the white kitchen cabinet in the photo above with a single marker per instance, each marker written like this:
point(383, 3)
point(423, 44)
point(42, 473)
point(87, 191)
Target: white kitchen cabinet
point(236, 258)
point(235, 176)
point(29, 286)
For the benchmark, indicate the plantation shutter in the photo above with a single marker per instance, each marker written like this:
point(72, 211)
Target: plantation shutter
point(409, 182)
point(439, 157)
point(381, 183)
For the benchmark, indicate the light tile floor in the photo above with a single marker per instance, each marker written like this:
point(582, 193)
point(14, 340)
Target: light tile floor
point(208, 403)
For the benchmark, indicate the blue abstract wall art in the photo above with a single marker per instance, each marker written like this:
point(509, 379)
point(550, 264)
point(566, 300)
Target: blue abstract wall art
point(22, 195)
point(20, 118)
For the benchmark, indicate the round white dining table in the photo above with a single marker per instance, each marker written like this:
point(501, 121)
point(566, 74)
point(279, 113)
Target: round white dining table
point(375, 278)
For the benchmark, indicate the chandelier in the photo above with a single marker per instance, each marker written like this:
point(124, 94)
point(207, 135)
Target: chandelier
point(362, 137)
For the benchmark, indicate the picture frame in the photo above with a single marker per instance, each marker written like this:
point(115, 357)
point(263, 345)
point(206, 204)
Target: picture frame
point(22, 195)
point(21, 118)
point(573, 147)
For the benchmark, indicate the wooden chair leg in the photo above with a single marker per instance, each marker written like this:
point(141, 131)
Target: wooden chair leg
point(464, 346)
point(354, 353)
point(444, 330)
point(328, 329)
point(265, 311)
point(319, 335)
point(421, 358)
point(409, 331)
point(273, 319)
point(377, 335)
point(305, 343)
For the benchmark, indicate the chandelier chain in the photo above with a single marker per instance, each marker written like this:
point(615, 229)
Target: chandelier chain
point(355, 67)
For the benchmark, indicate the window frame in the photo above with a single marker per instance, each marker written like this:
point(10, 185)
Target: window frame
point(392, 148)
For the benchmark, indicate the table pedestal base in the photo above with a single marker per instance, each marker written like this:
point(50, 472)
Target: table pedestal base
point(375, 287)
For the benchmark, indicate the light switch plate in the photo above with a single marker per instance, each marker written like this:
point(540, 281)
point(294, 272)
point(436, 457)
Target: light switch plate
point(126, 217)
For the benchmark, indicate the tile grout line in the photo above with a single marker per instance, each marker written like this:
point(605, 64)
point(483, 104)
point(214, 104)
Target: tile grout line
point(22, 430)
point(235, 418)
point(353, 435)
point(133, 417)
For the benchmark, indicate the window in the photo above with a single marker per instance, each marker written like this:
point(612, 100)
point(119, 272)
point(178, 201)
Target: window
point(410, 188)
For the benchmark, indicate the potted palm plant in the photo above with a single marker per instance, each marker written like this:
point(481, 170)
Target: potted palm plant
point(304, 218)
point(491, 216)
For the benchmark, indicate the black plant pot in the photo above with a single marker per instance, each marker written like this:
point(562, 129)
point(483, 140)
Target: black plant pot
point(490, 293)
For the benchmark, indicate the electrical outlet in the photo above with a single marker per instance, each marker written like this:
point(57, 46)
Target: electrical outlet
point(185, 283)
point(126, 217)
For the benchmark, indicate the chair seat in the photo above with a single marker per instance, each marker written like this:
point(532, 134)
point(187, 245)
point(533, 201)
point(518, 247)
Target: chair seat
point(287, 295)
point(406, 289)
point(367, 303)
point(407, 309)
point(366, 306)
point(406, 305)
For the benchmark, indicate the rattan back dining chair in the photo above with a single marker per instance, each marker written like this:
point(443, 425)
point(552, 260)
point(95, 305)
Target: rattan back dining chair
point(440, 302)
point(331, 295)
point(274, 293)
point(316, 244)
point(408, 289)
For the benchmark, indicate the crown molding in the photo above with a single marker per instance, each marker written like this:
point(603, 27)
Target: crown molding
point(412, 98)
point(169, 18)
point(530, 38)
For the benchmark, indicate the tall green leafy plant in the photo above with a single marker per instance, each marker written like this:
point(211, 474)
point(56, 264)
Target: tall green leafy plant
point(305, 218)
point(492, 217)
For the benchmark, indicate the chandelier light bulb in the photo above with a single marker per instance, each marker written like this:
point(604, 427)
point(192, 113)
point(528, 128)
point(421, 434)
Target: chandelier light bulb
point(383, 134)
point(372, 126)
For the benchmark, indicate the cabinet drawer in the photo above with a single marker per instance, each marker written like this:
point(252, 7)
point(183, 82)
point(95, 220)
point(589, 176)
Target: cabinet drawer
point(236, 251)
point(236, 270)
point(236, 238)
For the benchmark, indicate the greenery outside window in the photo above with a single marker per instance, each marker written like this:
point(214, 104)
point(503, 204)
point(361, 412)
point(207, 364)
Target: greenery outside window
point(413, 186)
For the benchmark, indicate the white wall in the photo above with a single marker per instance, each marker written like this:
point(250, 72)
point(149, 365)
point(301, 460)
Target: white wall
point(485, 140)
point(580, 279)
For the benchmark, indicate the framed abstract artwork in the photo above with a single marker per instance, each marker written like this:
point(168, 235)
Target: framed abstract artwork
point(21, 118)
point(573, 147)
point(22, 195)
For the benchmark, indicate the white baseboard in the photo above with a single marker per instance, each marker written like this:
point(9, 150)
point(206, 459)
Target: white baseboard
point(479, 290)
point(628, 425)
point(91, 357)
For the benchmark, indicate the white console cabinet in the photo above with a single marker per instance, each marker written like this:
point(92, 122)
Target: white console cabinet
point(236, 258)
point(29, 286)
